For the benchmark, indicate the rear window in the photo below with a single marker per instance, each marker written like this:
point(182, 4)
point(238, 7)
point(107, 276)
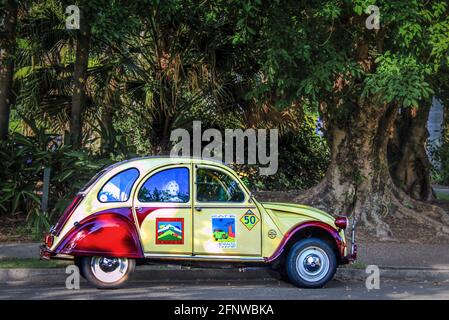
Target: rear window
point(118, 188)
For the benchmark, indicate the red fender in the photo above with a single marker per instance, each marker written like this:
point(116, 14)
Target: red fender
point(316, 224)
point(109, 233)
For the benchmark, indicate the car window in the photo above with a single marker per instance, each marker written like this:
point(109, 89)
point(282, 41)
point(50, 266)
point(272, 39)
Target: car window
point(170, 185)
point(118, 188)
point(217, 186)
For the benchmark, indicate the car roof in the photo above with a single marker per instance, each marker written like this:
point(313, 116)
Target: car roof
point(154, 161)
point(145, 164)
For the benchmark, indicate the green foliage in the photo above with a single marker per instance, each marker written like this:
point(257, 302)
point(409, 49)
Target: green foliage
point(158, 65)
point(399, 79)
point(305, 47)
point(303, 160)
point(23, 161)
point(14, 263)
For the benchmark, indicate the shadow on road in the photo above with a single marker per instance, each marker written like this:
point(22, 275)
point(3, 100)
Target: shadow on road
point(232, 290)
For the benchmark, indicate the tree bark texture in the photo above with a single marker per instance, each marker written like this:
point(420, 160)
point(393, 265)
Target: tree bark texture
point(7, 46)
point(358, 181)
point(409, 163)
point(80, 79)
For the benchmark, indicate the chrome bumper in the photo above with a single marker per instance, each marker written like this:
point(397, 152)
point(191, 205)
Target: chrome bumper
point(352, 256)
point(44, 252)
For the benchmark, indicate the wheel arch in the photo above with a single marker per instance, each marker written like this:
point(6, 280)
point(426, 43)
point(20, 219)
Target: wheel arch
point(311, 229)
point(107, 233)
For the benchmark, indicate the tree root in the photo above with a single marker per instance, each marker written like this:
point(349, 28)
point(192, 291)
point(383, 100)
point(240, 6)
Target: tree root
point(373, 211)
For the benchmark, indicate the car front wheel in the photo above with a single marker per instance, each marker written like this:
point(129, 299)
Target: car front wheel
point(311, 263)
point(107, 272)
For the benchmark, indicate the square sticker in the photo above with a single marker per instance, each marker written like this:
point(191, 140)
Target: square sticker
point(224, 231)
point(169, 230)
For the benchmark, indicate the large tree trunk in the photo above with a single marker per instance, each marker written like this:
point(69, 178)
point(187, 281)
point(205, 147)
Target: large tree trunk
point(358, 181)
point(160, 133)
point(410, 165)
point(7, 45)
point(80, 79)
point(111, 101)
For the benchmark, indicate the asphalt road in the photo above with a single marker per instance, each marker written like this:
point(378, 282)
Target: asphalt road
point(276, 290)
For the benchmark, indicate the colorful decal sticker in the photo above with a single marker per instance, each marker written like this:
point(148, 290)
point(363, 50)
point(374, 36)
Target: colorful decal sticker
point(223, 230)
point(169, 230)
point(249, 220)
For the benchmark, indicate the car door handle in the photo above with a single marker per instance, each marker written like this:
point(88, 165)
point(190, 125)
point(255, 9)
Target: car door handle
point(138, 209)
point(198, 208)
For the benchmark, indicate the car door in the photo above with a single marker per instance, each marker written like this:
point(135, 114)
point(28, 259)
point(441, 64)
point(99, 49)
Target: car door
point(163, 210)
point(225, 221)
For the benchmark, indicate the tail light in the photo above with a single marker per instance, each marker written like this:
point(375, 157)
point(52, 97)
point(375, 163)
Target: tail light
point(66, 215)
point(341, 222)
point(49, 240)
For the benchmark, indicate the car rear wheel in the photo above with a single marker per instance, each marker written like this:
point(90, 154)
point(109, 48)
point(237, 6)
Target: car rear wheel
point(107, 272)
point(311, 263)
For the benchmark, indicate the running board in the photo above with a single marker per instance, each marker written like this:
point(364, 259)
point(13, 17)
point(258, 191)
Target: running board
point(203, 257)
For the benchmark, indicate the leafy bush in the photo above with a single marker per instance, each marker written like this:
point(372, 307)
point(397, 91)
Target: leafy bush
point(23, 161)
point(303, 160)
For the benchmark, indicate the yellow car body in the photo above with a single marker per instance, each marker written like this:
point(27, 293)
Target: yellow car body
point(187, 209)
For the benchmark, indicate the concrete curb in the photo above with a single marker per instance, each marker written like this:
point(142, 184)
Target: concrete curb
point(391, 273)
point(178, 274)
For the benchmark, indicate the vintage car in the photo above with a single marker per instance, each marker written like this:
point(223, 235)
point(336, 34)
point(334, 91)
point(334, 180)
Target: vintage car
point(184, 209)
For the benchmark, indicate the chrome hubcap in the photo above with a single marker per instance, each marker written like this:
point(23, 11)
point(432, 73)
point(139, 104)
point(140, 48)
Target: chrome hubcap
point(108, 265)
point(109, 269)
point(312, 264)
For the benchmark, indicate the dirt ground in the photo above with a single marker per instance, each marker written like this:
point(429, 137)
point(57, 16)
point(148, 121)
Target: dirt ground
point(404, 231)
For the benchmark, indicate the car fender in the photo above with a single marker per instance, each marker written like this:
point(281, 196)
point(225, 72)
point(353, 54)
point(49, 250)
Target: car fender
point(340, 245)
point(110, 233)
